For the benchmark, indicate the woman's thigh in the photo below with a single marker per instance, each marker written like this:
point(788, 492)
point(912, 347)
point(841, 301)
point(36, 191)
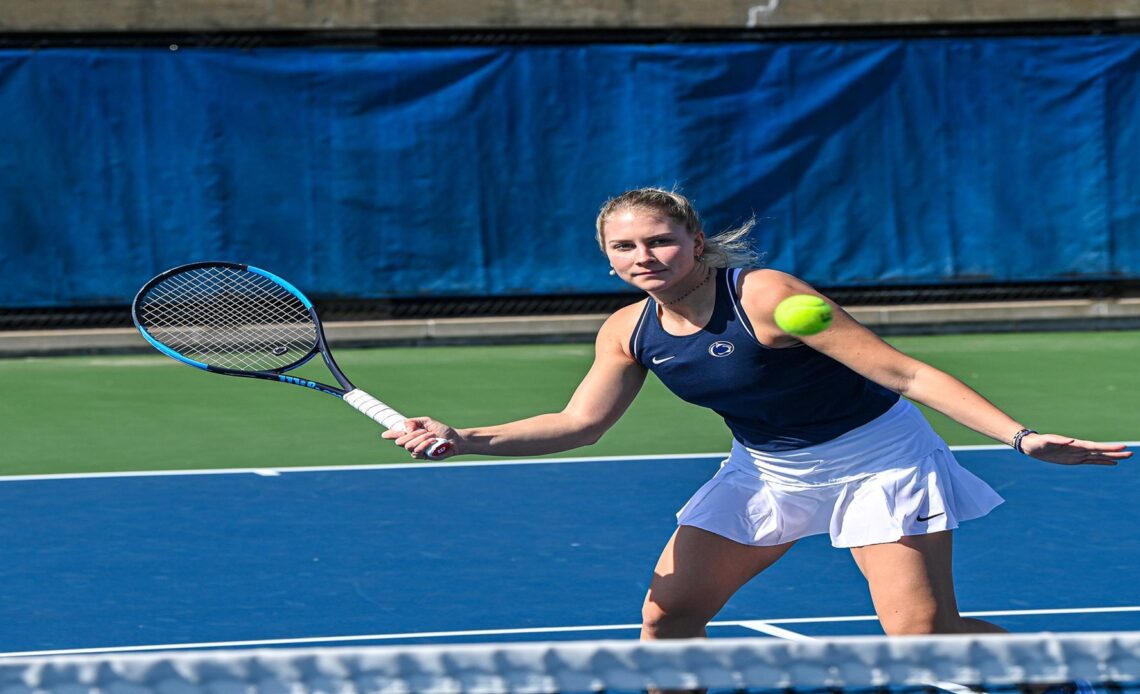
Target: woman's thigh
point(912, 583)
point(698, 572)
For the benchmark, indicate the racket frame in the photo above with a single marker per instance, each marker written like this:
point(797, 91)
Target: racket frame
point(280, 374)
point(358, 399)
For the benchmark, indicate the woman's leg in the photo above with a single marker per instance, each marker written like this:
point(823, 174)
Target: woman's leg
point(912, 586)
point(697, 573)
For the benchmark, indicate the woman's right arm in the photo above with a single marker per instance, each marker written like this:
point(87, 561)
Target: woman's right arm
point(605, 393)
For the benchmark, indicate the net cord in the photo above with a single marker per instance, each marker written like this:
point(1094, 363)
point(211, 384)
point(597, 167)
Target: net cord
point(761, 663)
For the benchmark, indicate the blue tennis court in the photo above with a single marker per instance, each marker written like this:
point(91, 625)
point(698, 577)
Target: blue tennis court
point(533, 550)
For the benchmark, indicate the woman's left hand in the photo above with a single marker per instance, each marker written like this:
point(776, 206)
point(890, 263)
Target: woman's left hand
point(1069, 451)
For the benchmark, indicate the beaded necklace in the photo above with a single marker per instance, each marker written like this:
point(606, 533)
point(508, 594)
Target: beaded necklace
point(705, 281)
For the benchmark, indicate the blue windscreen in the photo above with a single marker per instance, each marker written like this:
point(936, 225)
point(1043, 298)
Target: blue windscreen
point(463, 171)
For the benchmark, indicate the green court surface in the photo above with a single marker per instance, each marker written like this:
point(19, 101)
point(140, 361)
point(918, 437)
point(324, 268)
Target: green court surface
point(146, 412)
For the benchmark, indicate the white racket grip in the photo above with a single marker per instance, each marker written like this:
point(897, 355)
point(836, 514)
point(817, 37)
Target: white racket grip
point(388, 418)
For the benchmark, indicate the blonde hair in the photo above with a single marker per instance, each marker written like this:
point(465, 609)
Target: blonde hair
point(729, 248)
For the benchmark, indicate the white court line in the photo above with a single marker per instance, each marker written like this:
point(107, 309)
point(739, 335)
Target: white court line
point(769, 629)
point(322, 639)
point(762, 625)
point(274, 472)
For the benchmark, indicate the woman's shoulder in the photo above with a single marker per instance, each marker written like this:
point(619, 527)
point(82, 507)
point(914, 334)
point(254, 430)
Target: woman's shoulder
point(761, 291)
point(625, 319)
point(763, 276)
point(619, 326)
point(753, 283)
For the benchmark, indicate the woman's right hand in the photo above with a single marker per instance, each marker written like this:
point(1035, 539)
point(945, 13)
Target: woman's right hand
point(419, 433)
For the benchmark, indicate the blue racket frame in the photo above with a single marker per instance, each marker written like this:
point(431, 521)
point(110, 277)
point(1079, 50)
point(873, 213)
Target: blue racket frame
point(280, 374)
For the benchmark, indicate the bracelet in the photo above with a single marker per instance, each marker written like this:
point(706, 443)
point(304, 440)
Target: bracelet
point(1018, 437)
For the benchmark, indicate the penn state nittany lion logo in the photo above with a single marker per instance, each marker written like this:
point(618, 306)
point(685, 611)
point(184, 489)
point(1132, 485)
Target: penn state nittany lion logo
point(721, 349)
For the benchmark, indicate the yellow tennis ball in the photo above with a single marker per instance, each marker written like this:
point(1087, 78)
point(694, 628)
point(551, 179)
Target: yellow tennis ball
point(803, 314)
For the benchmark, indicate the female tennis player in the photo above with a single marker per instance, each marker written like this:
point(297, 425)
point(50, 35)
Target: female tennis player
point(824, 440)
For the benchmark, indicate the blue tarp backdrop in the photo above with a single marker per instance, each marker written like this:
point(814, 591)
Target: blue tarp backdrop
point(478, 170)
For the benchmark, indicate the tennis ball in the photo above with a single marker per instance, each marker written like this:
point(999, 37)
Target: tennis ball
point(803, 314)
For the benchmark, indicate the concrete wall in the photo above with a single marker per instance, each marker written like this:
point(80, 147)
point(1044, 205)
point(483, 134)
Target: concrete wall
point(219, 15)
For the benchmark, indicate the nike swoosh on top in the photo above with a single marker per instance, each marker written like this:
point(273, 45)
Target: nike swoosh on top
point(921, 519)
point(662, 360)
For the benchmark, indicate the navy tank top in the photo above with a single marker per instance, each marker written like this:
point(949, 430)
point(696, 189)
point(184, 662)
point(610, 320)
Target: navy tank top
point(771, 399)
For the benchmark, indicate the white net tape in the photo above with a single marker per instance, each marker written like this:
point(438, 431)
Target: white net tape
point(738, 664)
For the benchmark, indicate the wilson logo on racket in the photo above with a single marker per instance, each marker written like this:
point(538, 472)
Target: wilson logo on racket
point(297, 381)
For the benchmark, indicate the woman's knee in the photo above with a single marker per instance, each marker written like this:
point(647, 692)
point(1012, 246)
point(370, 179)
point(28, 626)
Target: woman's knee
point(672, 619)
point(696, 574)
point(917, 620)
point(920, 624)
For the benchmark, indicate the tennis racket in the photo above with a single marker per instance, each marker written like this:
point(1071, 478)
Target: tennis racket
point(238, 320)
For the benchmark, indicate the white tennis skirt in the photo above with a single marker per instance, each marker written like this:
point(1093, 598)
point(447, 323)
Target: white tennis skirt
point(888, 478)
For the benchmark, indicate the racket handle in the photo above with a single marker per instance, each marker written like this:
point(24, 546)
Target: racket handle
point(389, 418)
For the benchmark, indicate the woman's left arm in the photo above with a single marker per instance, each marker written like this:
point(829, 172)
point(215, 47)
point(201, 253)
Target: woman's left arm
point(852, 344)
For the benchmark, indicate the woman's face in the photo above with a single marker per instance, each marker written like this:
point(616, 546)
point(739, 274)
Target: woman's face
point(648, 250)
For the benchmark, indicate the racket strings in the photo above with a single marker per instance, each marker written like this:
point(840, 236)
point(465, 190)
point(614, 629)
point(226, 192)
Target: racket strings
point(230, 318)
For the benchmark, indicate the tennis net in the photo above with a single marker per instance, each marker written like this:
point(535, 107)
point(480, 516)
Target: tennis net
point(1025, 663)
